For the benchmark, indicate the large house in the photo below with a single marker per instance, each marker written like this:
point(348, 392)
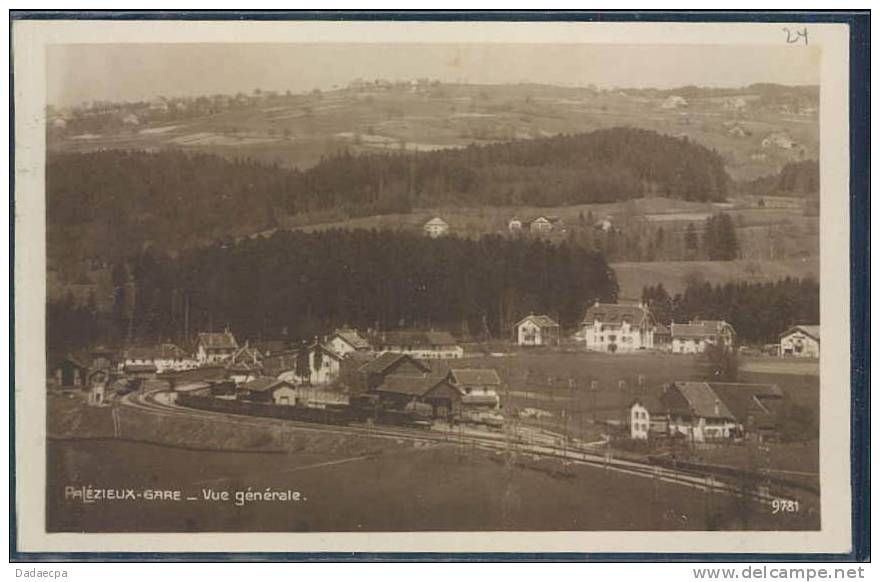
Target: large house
point(213, 348)
point(693, 337)
point(537, 330)
point(612, 327)
point(800, 341)
point(436, 227)
point(706, 411)
point(424, 345)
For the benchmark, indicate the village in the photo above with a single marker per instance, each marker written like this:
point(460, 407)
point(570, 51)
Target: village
point(428, 379)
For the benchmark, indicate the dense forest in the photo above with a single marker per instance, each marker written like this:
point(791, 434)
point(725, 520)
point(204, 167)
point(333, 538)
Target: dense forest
point(759, 312)
point(119, 200)
point(794, 179)
point(301, 285)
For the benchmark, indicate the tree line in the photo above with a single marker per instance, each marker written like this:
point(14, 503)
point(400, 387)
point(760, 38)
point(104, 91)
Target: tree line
point(759, 312)
point(300, 285)
point(799, 179)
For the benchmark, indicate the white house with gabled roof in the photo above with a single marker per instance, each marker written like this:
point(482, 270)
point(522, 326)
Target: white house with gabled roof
point(612, 327)
point(436, 227)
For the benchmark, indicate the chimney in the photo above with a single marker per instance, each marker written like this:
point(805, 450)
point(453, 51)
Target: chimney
point(717, 407)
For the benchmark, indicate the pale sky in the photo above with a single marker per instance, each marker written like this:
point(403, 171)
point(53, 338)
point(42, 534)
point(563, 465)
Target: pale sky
point(131, 72)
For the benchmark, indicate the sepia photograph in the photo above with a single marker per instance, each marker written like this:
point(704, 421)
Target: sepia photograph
point(366, 283)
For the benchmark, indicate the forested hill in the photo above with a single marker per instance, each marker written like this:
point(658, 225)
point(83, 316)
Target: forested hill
point(118, 200)
point(304, 284)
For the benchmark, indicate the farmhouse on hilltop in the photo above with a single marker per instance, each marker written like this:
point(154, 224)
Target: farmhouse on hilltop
point(611, 327)
point(694, 337)
point(800, 341)
point(436, 227)
point(537, 330)
point(546, 224)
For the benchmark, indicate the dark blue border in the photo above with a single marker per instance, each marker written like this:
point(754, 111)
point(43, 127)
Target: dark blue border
point(860, 148)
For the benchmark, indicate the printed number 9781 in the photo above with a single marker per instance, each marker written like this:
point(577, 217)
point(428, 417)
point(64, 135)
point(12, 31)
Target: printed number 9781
point(785, 506)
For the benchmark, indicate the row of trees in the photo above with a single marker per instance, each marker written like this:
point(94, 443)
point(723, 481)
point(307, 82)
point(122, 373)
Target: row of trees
point(299, 285)
point(758, 311)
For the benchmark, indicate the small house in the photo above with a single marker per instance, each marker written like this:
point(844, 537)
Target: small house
point(215, 347)
point(648, 418)
point(694, 337)
point(345, 341)
point(268, 390)
point(537, 330)
point(514, 225)
point(70, 372)
point(244, 364)
point(436, 227)
point(324, 364)
point(546, 224)
point(478, 387)
point(799, 341)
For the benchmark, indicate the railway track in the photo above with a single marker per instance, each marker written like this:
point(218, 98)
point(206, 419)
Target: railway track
point(148, 402)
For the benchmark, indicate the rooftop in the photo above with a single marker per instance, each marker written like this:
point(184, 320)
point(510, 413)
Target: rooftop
point(616, 313)
point(475, 377)
point(810, 330)
point(539, 320)
point(221, 340)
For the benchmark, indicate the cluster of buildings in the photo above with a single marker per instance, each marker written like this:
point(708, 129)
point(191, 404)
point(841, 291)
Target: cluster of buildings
point(389, 381)
point(406, 368)
point(700, 412)
point(542, 225)
point(625, 328)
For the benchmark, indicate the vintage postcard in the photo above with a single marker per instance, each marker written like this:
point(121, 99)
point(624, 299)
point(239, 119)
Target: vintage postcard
point(432, 286)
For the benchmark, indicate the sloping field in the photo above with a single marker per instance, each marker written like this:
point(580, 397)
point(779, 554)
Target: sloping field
point(674, 275)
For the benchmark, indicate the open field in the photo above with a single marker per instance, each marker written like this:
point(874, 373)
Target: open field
point(797, 366)
point(632, 277)
point(434, 489)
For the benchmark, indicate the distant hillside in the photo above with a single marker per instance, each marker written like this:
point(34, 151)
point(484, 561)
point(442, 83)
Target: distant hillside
point(113, 202)
point(755, 129)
